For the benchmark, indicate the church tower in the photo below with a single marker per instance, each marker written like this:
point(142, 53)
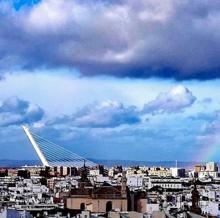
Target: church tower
point(124, 185)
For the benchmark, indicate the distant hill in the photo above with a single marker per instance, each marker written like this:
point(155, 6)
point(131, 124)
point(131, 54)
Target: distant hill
point(18, 163)
point(145, 163)
point(108, 163)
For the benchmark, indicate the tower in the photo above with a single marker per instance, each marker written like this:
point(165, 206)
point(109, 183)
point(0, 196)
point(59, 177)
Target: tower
point(195, 200)
point(124, 185)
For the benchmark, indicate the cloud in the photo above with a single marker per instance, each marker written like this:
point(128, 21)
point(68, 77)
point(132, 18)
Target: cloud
point(177, 99)
point(14, 111)
point(206, 101)
point(208, 117)
point(106, 114)
point(110, 114)
point(169, 39)
point(165, 138)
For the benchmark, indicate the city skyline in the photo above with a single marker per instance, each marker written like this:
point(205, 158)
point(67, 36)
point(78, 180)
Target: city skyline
point(111, 79)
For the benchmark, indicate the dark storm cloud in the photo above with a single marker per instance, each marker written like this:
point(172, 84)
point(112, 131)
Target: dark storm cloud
point(169, 39)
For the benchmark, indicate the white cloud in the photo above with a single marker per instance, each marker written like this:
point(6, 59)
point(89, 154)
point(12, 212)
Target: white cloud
point(172, 101)
point(14, 111)
point(103, 115)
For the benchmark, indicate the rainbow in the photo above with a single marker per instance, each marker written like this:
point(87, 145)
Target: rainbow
point(209, 148)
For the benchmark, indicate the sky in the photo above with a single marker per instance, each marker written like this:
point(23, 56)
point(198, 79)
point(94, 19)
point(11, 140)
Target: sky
point(127, 79)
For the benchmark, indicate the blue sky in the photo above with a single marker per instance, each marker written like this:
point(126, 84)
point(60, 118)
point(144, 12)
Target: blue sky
point(111, 79)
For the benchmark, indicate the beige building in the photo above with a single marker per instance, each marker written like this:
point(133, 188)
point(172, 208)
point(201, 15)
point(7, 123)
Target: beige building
point(98, 199)
point(96, 205)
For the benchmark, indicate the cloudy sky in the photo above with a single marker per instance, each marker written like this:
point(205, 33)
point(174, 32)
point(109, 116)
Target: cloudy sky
point(126, 79)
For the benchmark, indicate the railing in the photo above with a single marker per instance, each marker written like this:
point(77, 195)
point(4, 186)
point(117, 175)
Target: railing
point(107, 196)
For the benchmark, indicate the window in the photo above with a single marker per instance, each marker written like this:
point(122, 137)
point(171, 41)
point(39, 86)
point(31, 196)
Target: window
point(108, 206)
point(82, 206)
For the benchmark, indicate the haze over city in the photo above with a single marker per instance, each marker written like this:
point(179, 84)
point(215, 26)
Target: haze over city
point(128, 80)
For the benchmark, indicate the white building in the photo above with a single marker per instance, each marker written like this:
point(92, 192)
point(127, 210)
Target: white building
point(177, 172)
point(207, 174)
point(150, 208)
point(212, 166)
point(210, 208)
point(135, 181)
point(166, 183)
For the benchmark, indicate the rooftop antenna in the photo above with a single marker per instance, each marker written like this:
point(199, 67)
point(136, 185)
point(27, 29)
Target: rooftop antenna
point(176, 163)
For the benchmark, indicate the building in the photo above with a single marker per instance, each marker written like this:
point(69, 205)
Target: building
point(99, 199)
point(13, 213)
point(211, 208)
point(135, 181)
point(165, 183)
point(212, 166)
point(177, 172)
point(199, 168)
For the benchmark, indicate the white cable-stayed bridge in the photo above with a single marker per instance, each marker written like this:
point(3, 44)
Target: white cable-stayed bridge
point(51, 154)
